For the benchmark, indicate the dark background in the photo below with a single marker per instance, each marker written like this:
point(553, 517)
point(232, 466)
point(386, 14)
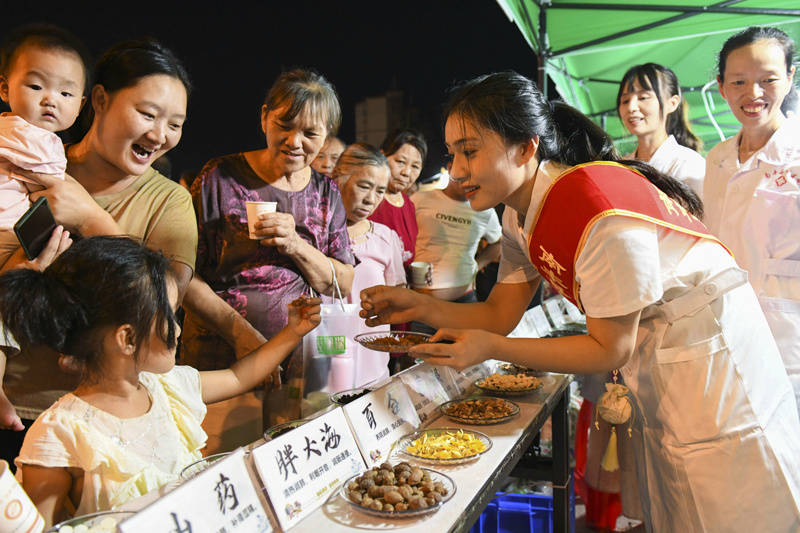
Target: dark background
point(234, 50)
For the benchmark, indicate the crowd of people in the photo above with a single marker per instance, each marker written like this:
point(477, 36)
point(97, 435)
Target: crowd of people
point(686, 268)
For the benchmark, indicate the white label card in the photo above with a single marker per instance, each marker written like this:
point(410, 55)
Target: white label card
point(301, 468)
point(465, 379)
point(220, 498)
point(379, 419)
point(540, 321)
point(555, 313)
point(447, 378)
point(573, 312)
point(425, 391)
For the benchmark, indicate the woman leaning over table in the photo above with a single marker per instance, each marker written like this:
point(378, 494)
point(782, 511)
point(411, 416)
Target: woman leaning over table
point(299, 247)
point(139, 107)
point(716, 429)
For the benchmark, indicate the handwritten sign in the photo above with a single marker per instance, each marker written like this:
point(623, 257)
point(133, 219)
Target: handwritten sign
point(220, 498)
point(301, 468)
point(425, 391)
point(555, 312)
point(465, 379)
point(379, 419)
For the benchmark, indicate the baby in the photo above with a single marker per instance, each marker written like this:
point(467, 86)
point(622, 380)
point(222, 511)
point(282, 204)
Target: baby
point(43, 76)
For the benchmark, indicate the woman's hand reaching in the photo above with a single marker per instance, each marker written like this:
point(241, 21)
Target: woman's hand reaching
point(464, 347)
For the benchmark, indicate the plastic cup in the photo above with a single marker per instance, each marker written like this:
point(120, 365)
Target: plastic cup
point(17, 512)
point(420, 274)
point(253, 210)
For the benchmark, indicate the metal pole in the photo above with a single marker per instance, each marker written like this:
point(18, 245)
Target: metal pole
point(544, 52)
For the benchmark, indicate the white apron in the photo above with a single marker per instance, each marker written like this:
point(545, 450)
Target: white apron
point(717, 440)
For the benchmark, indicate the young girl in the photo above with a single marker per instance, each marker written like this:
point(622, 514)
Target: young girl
point(42, 79)
point(752, 192)
point(134, 421)
point(650, 106)
point(362, 174)
point(717, 430)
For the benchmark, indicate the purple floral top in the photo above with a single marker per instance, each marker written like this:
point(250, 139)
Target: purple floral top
point(257, 280)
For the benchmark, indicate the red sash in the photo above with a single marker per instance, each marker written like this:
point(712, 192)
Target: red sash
point(578, 199)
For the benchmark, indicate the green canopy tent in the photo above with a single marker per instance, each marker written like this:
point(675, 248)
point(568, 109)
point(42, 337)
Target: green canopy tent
point(585, 48)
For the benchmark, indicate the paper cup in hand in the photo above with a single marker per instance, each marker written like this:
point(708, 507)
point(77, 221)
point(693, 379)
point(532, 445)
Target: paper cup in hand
point(421, 273)
point(17, 512)
point(253, 210)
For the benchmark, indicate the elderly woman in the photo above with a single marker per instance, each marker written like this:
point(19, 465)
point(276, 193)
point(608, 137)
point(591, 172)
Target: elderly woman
point(405, 150)
point(302, 246)
point(362, 174)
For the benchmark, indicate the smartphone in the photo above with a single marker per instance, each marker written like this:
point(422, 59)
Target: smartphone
point(34, 228)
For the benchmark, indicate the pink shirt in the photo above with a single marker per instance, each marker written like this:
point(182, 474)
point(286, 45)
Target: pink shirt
point(31, 148)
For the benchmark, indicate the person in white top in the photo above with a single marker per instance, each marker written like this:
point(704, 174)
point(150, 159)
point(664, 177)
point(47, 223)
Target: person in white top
point(650, 106)
point(716, 428)
point(449, 234)
point(752, 192)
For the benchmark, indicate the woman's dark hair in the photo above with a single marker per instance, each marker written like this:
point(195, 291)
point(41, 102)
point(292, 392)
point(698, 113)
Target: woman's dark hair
point(125, 63)
point(398, 137)
point(355, 156)
point(299, 87)
point(122, 66)
point(751, 35)
point(511, 106)
point(46, 36)
point(98, 282)
point(654, 77)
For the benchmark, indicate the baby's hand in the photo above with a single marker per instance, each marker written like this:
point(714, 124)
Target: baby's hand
point(304, 314)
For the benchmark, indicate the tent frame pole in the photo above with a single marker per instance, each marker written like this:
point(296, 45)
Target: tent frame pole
point(686, 13)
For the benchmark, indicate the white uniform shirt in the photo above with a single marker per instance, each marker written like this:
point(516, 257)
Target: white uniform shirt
point(754, 208)
point(626, 264)
point(680, 162)
point(449, 233)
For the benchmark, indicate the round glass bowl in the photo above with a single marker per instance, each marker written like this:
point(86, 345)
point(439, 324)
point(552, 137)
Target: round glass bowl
point(281, 429)
point(102, 522)
point(508, 391)
point(391, 341)
point(480, 410)
point(346, 396)
point(201, 464)
point(436, 477)
point(457, 445)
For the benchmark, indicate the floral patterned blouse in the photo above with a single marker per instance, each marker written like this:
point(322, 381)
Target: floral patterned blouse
point(257, 280)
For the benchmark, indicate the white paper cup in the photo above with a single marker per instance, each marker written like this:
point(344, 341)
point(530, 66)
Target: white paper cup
point(420, 274)
point(253, 210)
point(17, 512)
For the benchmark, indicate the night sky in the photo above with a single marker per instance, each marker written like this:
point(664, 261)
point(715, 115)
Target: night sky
point(234, 50)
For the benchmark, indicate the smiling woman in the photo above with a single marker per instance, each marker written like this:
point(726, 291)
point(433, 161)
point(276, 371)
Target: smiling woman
point(297, 246)
point(138, 105)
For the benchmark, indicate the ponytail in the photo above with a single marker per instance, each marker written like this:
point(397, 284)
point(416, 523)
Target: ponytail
point(678, 127)
point(511, 105)
point(38, 309)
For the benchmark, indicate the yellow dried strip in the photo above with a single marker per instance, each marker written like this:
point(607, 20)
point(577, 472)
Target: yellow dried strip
point(448, 445)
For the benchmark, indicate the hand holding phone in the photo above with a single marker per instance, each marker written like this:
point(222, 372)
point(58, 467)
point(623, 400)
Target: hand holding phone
point(34, 228)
